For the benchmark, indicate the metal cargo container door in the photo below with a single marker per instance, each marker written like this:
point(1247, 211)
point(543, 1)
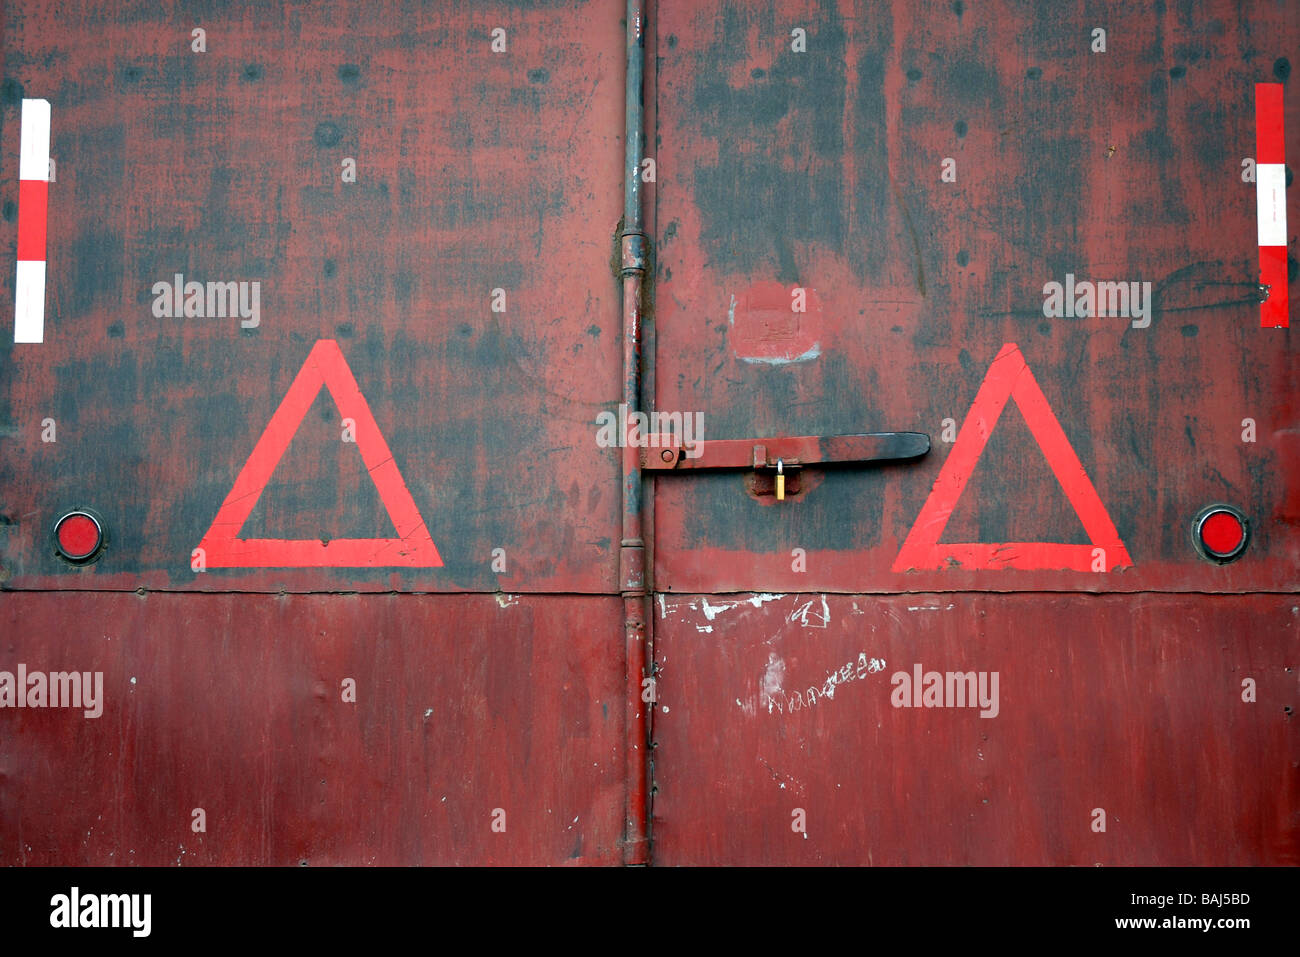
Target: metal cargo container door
point(327, 309)
point(1063, 629)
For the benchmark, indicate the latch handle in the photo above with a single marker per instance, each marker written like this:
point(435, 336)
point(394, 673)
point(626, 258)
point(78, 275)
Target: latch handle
point(664, 452)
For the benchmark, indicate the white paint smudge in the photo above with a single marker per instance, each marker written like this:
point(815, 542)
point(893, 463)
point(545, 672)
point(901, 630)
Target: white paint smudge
point(812, 353)
point(757, 601)
point(773, 676)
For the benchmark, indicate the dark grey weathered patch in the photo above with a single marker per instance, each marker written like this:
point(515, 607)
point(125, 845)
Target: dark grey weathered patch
point(327, 134)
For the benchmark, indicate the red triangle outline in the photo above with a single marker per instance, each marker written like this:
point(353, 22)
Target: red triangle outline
point(413, 548)
point(1009, 378)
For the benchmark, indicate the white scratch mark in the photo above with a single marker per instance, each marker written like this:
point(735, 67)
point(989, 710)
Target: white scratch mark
point(804, 612)
point(948, 607)
point(771, 688)
point(784, 782)
point(757, 601)
point(663, 607)
point(505, 601)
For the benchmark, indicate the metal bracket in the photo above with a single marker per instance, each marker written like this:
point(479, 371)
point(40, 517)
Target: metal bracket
point(632, 246)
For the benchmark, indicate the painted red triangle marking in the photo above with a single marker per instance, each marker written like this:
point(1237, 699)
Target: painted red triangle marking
point(413, 548)
point(1009, 377)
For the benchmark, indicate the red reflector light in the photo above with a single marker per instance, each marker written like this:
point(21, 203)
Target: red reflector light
point(1220, 533)
point(78, 536)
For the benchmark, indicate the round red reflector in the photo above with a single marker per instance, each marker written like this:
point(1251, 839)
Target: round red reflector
point(1222, 533)
point(78, 536)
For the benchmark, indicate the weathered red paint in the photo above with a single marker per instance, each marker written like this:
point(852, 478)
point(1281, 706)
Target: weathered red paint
point(233, 704)
point(475, 171)
point(1122, 690)
point(1129, 703)
point(777, 171)
point(823, 170)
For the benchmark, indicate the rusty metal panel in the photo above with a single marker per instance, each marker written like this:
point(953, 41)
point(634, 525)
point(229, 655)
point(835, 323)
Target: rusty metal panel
point(475, 171)
point(855, 213)
point(235, 704)
point(774, 704)
point(923, 172)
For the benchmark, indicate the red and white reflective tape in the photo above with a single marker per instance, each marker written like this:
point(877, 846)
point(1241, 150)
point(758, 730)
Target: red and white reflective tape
point(1270, 195)
point(33, 194)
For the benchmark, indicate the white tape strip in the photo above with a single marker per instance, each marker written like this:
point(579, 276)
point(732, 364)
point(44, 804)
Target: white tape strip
point(1270, 194)
point(34, 153)
point(29, 302)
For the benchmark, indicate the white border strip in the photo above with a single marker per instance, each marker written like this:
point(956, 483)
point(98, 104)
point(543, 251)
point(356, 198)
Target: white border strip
point(1270, 194)
point(33, 164)
point(34, 153)
point(29, 302)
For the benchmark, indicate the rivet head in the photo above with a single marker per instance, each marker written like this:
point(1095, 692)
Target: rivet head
point(666, 455)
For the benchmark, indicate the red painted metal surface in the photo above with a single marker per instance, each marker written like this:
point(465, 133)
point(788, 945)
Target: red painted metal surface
point(1131, 704)
point(475, 171)
point(856, 215)
point(235, 704)
point(915, 177)
point(824, 171)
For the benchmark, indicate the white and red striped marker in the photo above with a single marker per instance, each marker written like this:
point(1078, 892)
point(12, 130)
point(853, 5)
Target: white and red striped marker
point(33, 195)
point(1270, 195)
